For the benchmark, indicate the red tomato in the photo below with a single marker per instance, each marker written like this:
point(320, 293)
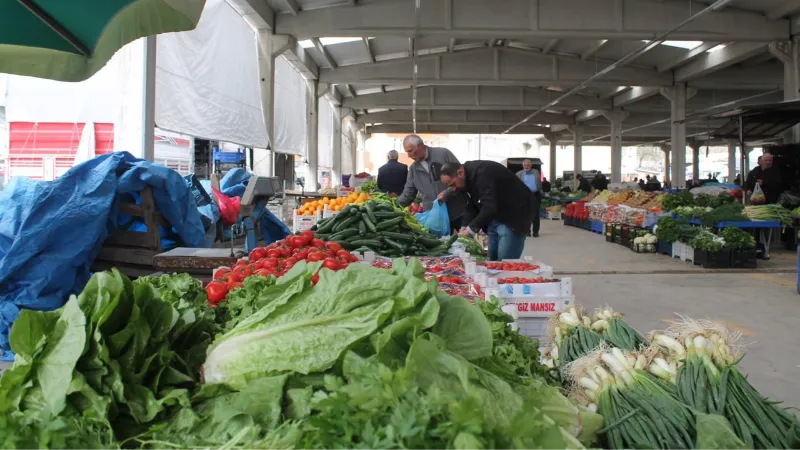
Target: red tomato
point(343, 264)
point(301, 255)
point(314, 279)
point(334, 246)
point(285, 252)
point(273, 253)
point(352, 258)
point(233, 285)
point(344, 255)
point(257, 253)
point(319, 243)
point(331, 263)
point(221, 273)
point(265, 272)
point(216, 292)
point(293, 260)
point(315, 256)
point(269, 262)
point(242, 271)
point(234, 276)
point(308, 234)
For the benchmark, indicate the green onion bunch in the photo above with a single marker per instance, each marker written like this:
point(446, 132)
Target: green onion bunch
point(707, 379)
point(640, 410)
point(571, 333)
point(616, 331)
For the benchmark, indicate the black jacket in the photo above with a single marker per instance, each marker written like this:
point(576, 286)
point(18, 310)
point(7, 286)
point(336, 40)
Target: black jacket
point(583, 185)
point(771, 183)
point(495, 193)
point(392, 177)
point(600, 182)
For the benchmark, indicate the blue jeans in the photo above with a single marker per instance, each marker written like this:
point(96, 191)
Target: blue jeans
point(504, 243)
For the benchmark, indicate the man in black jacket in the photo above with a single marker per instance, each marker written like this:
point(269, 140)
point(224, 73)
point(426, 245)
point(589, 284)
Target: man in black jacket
point(392, 175)
point(497, 201)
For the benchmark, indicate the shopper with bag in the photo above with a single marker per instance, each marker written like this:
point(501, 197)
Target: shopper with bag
point(764, 183)
point(497, 202)
point(423, 177)
point(532, 179)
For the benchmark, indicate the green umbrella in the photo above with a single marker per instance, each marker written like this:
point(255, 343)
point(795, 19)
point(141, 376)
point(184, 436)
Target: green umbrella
point(70, 40)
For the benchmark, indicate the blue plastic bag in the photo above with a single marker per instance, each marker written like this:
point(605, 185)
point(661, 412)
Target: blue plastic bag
point(436, 220)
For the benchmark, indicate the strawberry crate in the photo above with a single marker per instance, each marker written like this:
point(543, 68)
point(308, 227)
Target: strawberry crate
point(543, 271)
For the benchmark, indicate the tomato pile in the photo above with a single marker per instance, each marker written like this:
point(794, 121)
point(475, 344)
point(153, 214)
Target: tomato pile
point(277, 259)
point(452, 279)
point(511, 266)
point(518, 280)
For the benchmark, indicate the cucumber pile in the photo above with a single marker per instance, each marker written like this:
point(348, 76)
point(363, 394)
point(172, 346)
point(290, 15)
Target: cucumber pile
point(379, 228)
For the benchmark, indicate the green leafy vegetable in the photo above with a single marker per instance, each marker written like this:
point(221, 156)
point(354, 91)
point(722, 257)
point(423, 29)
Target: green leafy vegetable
point(737, 239)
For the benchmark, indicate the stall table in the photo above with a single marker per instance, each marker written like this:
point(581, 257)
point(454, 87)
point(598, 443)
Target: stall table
point(767, 225)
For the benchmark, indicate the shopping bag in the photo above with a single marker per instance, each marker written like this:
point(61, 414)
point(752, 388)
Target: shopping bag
point(228, 207)
point(758, 196)
point(437, 221)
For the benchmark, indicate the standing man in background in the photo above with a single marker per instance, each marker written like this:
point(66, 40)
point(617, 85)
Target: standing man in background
point(392, 175)
point(424, 177)
point(497, 201)
point(532, 179)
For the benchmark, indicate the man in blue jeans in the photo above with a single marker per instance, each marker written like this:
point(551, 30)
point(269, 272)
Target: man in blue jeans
point(497, 201)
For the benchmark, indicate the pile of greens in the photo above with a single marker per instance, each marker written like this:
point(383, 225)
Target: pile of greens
point(668, 229)
point(713, 201)
point(112, 360)
point(738, 239)
point(732, 212)
point(367, 358)
point(472, 246)
point(673, 201)
point(707, 241)
point(692, 212)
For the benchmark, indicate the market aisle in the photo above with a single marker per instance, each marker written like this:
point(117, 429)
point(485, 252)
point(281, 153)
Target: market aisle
point(762, 306)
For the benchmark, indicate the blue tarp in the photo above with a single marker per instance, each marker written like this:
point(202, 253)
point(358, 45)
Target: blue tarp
point(234, 182)
point(51, 231)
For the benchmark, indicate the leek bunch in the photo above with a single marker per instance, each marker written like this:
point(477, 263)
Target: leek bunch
point(616, 331)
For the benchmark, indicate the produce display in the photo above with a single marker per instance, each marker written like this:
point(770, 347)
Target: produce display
point(680, 388)
point(367, 357)
point(523, 280)
point(275, 260)
point(377, 227)
point(334, 204)
point(769, 212)
point(509, 266)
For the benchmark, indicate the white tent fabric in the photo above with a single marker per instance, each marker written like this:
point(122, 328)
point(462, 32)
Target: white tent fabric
point(86, 146)
point(207, 80)
point(325, 134)
point(290, 109)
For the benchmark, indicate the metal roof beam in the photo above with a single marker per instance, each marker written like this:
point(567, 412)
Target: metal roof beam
point(634, 94)
point(498, 66)
point(257, 13)
point(455, 129)
point(299, 58)
point(465, 117)
point(698, 51)
point(521, 19)
point(294, 7)
point(720, 59)
point(473, 98)
point(785, 9)
point(369, 50)
point(325, 55)
point(594, 48)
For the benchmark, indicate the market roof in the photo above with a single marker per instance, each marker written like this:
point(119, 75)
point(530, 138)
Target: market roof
point(758, 122)
point(484, 67)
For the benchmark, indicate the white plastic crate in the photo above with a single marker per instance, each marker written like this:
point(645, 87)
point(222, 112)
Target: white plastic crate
point(276, 210)
point(533, 327)
point(682, 251)
point(303, 223)
point(328, 213)
point(543, 271)
point(554, 215)
point(561, 288)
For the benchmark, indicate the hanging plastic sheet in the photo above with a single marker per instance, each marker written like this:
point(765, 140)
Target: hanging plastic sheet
point(325, 134)
point(51, 231)
point(290, 109)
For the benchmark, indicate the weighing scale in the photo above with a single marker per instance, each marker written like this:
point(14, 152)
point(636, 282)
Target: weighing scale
point(259, 191)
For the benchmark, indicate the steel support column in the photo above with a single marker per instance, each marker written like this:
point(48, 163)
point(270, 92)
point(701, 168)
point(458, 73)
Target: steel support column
point(616, 118)
point(695, 160)
point(336, 170)
point(666, 149)
point(677, 96)
point(552, 138)
point(577, 150)
point(149, 99)
point(731, 161)
point(266, 76)
point(788, 53)
point(312, 130)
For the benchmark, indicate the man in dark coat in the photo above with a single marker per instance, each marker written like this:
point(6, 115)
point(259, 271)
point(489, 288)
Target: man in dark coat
point(600, 182)
point(392, 175)
point(767, 177)
point(583, 183)
point(497, 201)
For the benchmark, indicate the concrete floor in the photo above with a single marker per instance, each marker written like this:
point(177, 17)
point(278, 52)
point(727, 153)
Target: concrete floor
point(651, 289)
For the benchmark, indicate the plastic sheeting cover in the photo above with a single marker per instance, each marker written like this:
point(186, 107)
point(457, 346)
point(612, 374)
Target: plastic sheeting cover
point(51, 231)
point(325, 134)
point(207, 80)
point(290, 109)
